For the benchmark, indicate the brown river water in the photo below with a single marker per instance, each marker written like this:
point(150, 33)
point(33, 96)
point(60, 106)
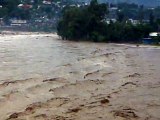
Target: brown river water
point(32, 56)
point(27, 56)
point(52, 76)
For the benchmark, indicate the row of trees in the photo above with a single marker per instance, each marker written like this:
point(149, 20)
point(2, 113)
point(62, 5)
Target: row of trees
point(88, 23)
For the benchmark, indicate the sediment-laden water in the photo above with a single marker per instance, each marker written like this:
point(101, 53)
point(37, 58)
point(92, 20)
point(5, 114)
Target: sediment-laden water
point(43, 77)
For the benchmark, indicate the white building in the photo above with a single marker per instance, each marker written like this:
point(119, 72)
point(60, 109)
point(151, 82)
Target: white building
point(16, 22)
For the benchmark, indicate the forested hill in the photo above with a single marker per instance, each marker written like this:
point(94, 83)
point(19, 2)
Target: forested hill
point(150, 3)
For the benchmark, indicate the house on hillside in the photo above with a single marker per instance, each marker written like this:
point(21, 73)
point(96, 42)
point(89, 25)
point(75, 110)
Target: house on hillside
point(47, 2)
point(154, 38)
point(112, 13)
point(15, 22)
point(134, 22)
point(25, 6)
point(108, 21)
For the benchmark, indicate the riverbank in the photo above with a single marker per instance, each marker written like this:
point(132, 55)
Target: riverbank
point(45, 78)
point(11, 32)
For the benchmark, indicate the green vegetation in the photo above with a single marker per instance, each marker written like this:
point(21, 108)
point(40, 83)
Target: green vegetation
point(83, 23)
point(89, 23)
point(8, 7)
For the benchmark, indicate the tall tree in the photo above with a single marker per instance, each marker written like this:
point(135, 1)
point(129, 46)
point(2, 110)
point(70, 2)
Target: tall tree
point(151, 18)
point(141, 13)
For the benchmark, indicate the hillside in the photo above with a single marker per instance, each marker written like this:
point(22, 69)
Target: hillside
point(140, 2)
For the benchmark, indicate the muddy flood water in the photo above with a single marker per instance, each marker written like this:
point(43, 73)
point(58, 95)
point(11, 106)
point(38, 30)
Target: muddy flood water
point(45, 78)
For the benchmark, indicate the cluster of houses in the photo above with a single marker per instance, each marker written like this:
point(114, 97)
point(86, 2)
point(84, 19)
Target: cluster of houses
point(59, 5)
point(112, 16)
point(41, 19)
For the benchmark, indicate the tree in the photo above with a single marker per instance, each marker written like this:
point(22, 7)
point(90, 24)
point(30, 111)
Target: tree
point(11, 5)
point(158, 25)
point(120, 16)
point(8, 8)
point(83, 23)
point(3, 12)
point(88, 23)
point(141, 13)
point(151, 18)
